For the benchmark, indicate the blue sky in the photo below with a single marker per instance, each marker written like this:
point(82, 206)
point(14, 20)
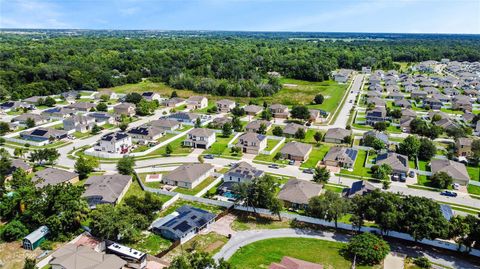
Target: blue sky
point(399, 16)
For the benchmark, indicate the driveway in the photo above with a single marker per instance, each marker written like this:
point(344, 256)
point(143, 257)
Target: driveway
point(393, 262)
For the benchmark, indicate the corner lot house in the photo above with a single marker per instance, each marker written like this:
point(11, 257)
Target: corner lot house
point(242, 172)
point(254, 126)
point(34, 239)
point(184, 223)
point(117, 142)
point(252, 143)
point(341, 157)
point(188, 175)
point(43, 134)
point(200, 138)
point(456, 170)
point(106, 189)
point(197, 102)
point(127, 109)
point(296, 151)
point(279, 111)
point(336, 135)
point(296, 193)
point(54, 176)
point(253, 110)
point(72, 256)
point(398, 162)
point(79, 123)
point(146, 133)
point(225, 105)
point(58, 113)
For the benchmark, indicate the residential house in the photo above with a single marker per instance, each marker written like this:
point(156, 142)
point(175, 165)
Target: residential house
point(183, 224)
point(18, 164)
point(394, 89)
point(197, 102)
point(402, 103)
point(219, 122)
point(396, 96)
point(291, 129)
point(35, 238)
point(378, 135)
point(82, 106)
point(118, 142)
point(188, 175)
point(14, 105)
point(73, 256)
point(405, 123)
point(174, 102)
point(58, 113)
point(456, 170)
point(127, 109)
point(79, 123)
point(186, 117)
point(462, 102)
point(477, 127)
point(242, 172)
point(375, 90)
point(253, 110)
point(409, 113)
point(145, 133)
point(201, 138)
point(254, 126)
point(433, 103)
point(108, 93)
point(43, 134)
point(106, 189)
point(376, 101)
point(441, 97)
point(292, 263)
point(297, 192)
point(102, 118)
point(431, 90)
point(296, 151)
point(134, 258)
point(463, 147)
point(315, 115)
point(378, 114)
point(54, 176)
point(225, 105)
point(70, 96)
point(166, 124)
point(366, 70)
point(151, 96)
point(336, 135)
point(418, 94)
point(398, 162)
point(341, 157)
point(468, 117)
point(445, 123)
point(279, 111)
point(252, 143)
point(24, 118)
point(34, 99)
point(360, 187)
point(342, 75)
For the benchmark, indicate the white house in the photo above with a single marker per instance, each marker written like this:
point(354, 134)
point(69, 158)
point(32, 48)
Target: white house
point(197, 102)
point(200, 138)
point(117, 142)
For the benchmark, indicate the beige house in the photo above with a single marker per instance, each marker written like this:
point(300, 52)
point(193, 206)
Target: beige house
point(456, 170)
point(254, 126)
point(252, 143)
point(106, 189)
point(297, 192)
point(72, 256)
point(296, 151)
point(174, 102)
point(253, 110)
point(188, 175)
point(336, 135)
point(200, 138)
point(225, 105)
point(146, 133)
point(54, 176)
point(463, 147)
point(279, 111)
point(292, 128)
point(127, 109)
point(81, 106)
point(197, 102)
point(341, 157)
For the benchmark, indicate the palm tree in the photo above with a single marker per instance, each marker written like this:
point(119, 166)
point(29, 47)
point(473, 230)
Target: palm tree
point(19, 152)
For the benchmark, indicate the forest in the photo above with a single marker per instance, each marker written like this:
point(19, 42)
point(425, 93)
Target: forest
point(219, 64)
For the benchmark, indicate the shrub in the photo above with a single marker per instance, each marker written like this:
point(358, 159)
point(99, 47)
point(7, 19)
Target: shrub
point(368, 248)
point(422, 262)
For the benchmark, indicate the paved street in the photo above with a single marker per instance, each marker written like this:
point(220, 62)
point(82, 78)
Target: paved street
point(342, 118)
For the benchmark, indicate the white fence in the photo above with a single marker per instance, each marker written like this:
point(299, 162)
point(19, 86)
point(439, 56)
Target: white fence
point(211, 185)
point(281, 141)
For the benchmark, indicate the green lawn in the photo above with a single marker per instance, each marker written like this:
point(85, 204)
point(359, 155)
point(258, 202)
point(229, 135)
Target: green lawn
point(423, 165)
point(220, 146)
point(180, 202)
point(316, 155)
point(151, 244)
point(262, 253)
point(210, 243)
point(359, 169)
point(80, 135)
point(245, 221)
point(473, 172)
point(271, 143)
point(333, 188)
point(177, 148)
point(473, 189)
point(198, 188)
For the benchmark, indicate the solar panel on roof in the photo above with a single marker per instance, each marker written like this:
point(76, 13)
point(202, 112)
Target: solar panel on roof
point(39, 132)
point(183, 226)
point(352, 154)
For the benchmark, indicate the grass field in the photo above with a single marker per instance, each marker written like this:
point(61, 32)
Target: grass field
point(152, 244)
point(262, 253)
point(473, 172)
point(220, 147)
point(177, 148)
point(210, 243)
point(316, 155)
point(245, 222)
point(359, 169)
point(473, 189)
point(198, 188)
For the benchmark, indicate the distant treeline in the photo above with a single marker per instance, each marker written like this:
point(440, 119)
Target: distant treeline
point(217, 64)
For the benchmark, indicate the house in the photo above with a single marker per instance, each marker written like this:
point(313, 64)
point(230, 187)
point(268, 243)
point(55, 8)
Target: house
point(441, 97)
point(279, 111)
point(151, 96)
point(394, 91)
point(253, 110)
point(340, 157)
point(315, 115)
point(378, 135)
point(34, 99)
point(197, 102)
point(219, 122)
point(201, 138)
point(463, 147)
point(188, 175)
point(174, 102)
point(402, 103)
point(366, 70)
point(468, 117)
point(127, 109)
point(242, 172)
point(409, 113)
point(342, 75)
point(456, 170)
point(360, 187)
point(73, 256)
point(433, 103)
point(43, 134)
point(418, 94)
point(106, 189)
point(252, 143)
point(53, 176)
point(378, 114)
point(70, 96)
point(225, 105)
point(166, 124)
point(35, 238)
point(477, 127)
point(145, 133)
point(336, 135)
point(102, 118)
point(297, 192)
point(183, 224)
point(254, 126)
point(405, 123)
point(118, 142)
point(14, 105)
point(292, 263)
point(186, 117)
point(462, 102)
point(375, 90)
point(24, 118)
point(296, 151)
point(396, 96)
point(398, 162)
point(82, 106)
point(291, 129)
point(58, 113)
point(108, 93)
point(376, 101)
point(18, 164)
point(79, 123)
point(445, 123)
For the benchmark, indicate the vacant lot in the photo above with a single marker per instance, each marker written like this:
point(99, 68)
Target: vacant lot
point(12, 255)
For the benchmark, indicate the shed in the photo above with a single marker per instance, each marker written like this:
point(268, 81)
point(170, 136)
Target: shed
point(34, 239)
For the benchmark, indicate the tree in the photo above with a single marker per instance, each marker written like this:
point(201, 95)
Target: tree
point(277, 156)
point(197, 260)
point(321, 175)
point(367, 249)
point(381, 172)
point(14, 230)
point(329, 206)
point(29, 263)
point(85, 165)
point(168, 150)
point(426, 150)
point(4, 128)
point(237, 111)
point(300, 112)
point(380, 126)
point(410, 146)
point(260, 193)
point(123, 126)
point(19, 152)
point(96, 129)
point(372, 141)
point(102, 107)
point(235, 150)
point(422, 262)
point(30, 123)
point(237, 124)
point(300, 134)
point(49, 101)
point(455, 132)
point(319, 99)
point(198, 123)
point(441, 180)
point(347, 139)
point(145, 107)
point(174, 94)
point(227, 129)
point(125, 165)
point(47, 156)
point(476, 149)
point(133, 98)
point(317, 136)
point(266, 115)
point(262, 129)
point(277, 131)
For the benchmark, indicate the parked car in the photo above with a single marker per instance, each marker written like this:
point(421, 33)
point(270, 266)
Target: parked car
point(411, 173)
point(308, 171)
point(291, 162)
point(394, 177)
point(403, 177)
point(208, 156)
point(449, 193)
point(274, 166)
point(456, 186)
point(350, 101)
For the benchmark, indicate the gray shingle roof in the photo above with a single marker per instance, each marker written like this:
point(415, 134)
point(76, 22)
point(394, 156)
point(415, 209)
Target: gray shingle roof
point(188, 172)
point(109, 187)
point(53, 176)
point(299, 191)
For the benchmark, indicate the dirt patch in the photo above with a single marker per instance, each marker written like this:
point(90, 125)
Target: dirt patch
point(221, 226)
point(12, 255)
point(214, 246)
